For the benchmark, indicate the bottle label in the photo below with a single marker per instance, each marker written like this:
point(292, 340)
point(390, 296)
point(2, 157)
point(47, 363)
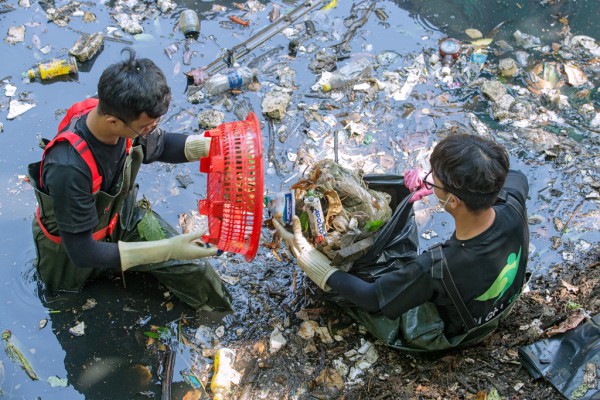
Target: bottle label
point(281, 206)
point(53, 69)
point(235, 80)
point(316, 218)
point(478, 58)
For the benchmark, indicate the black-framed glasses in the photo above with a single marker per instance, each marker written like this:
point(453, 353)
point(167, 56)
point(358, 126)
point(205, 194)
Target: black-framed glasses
point(430, 185)
point(141, 134)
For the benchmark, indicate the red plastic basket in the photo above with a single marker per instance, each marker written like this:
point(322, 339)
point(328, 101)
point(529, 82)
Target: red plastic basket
point(234, 192)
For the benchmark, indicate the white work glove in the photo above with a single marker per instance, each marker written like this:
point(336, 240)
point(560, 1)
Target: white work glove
point(315, 264)
point(196, 147)
point(180, 247)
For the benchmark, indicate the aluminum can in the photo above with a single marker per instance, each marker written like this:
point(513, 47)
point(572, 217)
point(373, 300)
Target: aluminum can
point(281, 205)
point(316, 219)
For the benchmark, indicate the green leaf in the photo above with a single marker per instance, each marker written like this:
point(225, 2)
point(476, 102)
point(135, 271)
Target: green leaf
point(372, 226)
point(304, 221)
point(571, 305)
point(150, 229)
point(162, 333)
point(153, 335)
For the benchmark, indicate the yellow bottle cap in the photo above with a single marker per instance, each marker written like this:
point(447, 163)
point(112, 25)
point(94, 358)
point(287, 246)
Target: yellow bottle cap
point(326, 87)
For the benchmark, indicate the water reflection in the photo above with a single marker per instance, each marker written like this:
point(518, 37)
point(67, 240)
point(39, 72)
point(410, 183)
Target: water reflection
point(111, 357)
point(105, 362)
point(538, 18)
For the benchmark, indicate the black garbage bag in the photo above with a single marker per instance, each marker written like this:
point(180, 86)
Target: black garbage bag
point(397, 240)
point(421, 329)
point(570, 361)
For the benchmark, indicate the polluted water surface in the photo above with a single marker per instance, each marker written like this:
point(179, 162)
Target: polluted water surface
point(391, 107)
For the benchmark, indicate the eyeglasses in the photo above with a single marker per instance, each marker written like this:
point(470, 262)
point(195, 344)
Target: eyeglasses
point(143, 134)
point(431, 185)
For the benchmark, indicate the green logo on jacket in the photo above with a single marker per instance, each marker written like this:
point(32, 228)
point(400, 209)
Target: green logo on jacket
point(504, 279)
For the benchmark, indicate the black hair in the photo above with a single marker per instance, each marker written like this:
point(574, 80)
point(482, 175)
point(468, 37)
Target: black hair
point(472, 168)
point(131, 87)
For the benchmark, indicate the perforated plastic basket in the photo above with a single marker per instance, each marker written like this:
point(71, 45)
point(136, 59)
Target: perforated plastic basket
point(234, 192)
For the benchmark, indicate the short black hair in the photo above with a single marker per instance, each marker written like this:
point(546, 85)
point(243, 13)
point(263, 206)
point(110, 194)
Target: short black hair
point(131, 87)
point(472, 168)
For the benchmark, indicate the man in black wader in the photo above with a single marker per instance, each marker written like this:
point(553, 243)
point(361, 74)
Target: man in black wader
point(87, 219)
point(454, 294)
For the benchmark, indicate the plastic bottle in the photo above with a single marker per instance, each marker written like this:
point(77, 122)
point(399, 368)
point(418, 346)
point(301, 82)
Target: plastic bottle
point(449, 50)
point(53, 69)
point(224, 376)
point(475, 65)
point(189, 23)
point(347, 74)
point(234, 79)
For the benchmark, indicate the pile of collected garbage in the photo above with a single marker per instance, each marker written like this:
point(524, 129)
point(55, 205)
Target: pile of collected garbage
point(337, 210)
point(371, 112)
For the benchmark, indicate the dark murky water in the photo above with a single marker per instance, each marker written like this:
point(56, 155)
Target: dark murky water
point(108, 361)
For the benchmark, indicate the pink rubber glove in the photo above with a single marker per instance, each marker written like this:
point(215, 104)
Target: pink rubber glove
point(413, 180)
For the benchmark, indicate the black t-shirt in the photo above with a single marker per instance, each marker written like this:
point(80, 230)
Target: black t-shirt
point(488, 269)
point(68, 179)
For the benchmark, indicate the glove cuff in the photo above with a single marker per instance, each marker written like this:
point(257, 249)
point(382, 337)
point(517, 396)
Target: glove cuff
point(138, 253)
point(317, 266)
point(196, 147)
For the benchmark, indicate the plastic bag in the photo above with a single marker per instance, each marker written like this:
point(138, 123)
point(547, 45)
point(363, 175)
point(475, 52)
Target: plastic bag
point(398, 239)
point(570, 361)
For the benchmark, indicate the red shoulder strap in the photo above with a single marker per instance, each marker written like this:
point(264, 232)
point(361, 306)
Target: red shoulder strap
point(80, 145)
point(77, 110)
point(128, 144)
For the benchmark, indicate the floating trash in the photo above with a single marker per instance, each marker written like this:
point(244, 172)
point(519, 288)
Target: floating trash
point(52, 69)
point(16, 34)
point(55, 381)
point(474, 33)
point(189, 23)
point(15, 351)
point(18, 107)
point(78, 330)
point(225, 376)
point(87, 46)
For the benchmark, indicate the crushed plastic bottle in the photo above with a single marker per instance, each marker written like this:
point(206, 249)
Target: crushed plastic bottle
point(526, 41)
point(224, 375)
point(234, 79)
point(347, 74)
point(475, 65)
